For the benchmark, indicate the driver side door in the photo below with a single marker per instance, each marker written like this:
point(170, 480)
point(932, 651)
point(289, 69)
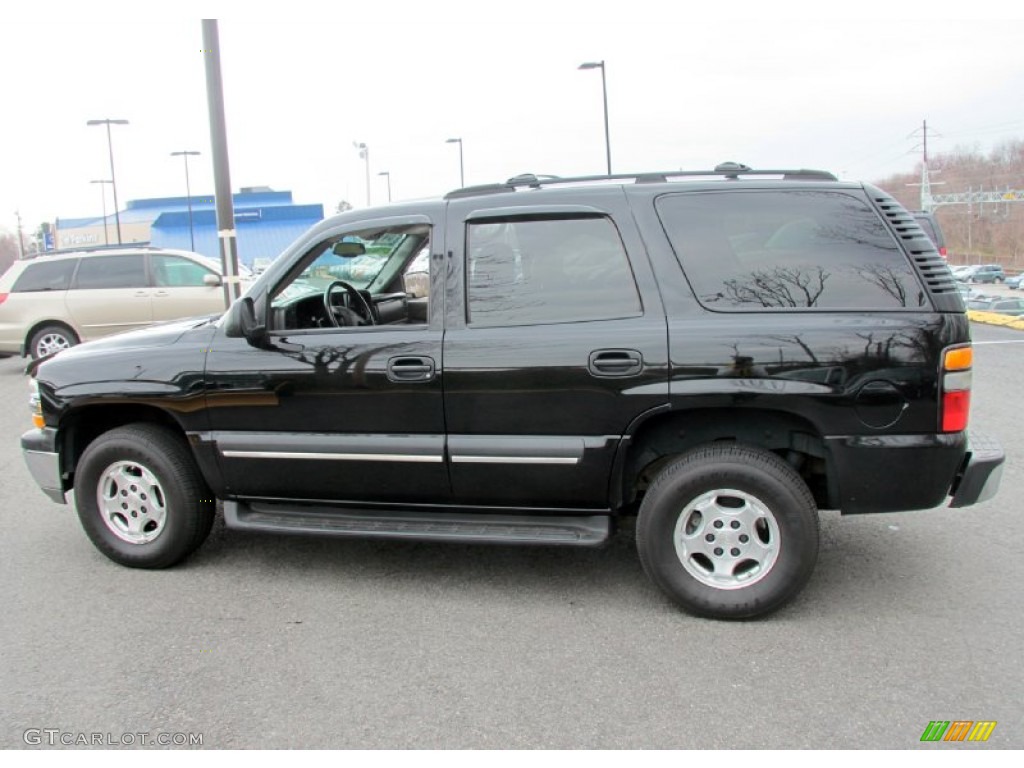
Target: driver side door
point(344, 414)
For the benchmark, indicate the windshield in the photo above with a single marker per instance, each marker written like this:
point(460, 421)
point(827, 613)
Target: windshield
point(365, 260)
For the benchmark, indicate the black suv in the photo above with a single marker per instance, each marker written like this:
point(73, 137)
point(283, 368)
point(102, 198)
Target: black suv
point(719, 354)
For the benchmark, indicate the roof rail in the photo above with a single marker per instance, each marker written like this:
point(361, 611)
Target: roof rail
point(727, 170)
point(100, 248)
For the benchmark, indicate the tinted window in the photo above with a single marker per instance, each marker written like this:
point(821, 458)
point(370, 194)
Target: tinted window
point(46, 276)
point(787, 250)
point(527, 272)
point(176, 271)
point(112, 272)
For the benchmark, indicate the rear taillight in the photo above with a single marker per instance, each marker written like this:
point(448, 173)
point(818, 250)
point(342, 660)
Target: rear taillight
point(942, 251)
point(3, 298)
point(956, 388)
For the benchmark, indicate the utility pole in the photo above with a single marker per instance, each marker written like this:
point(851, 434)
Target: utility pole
point(221, 173)
point(364, 154)
point(21, 237)
point(927, 199)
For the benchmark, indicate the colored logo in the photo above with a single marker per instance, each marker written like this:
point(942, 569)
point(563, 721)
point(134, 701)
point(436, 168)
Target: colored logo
point(958, 730)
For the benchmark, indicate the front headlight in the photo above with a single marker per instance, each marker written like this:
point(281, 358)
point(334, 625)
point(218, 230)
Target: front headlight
point(35, 404)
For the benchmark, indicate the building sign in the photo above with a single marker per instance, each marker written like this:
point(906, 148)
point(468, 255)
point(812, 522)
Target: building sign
point(252, 214)
point(75, 239)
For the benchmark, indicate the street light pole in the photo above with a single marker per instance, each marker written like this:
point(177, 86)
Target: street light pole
point(103, 197)
point(604, 92)
point(462, 175)
point(364, 153)
point(188, 193)
point(388, 174)
point(113, 179)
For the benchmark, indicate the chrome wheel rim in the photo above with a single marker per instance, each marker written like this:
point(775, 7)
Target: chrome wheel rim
point(727, 539)
point(131, 502)
point(50, 343)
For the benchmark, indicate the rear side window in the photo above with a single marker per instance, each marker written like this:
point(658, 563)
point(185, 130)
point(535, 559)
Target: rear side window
point(112, 272)
point(548, 270)
point(176, 271)
point(929, 229)
point(787, 250)
point(46, 276)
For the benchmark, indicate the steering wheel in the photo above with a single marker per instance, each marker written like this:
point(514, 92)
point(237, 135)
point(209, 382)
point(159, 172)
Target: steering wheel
point(366, 311)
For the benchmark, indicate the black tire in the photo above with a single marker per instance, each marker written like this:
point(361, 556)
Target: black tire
point(50, 339)
point(141, 498)
point(753, 494)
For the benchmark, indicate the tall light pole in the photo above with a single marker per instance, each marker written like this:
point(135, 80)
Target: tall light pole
point(388, 174)
point(364, 153)
point(188, 192)
point(604, 92)
point(113, 179)
point(462, 174)
point(103, 197)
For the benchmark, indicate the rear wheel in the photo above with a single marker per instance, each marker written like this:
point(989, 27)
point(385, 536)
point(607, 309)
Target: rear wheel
point(728, 532)
point(141, 498)
point(50, 339)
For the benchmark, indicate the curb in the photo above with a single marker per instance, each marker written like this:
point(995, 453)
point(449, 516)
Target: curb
point(994, 318)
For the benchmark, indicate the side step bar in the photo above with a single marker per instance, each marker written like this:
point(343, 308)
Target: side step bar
point(424, 526)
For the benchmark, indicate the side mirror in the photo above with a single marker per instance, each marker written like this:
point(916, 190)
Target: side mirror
point(245, 312)
point(211, 279)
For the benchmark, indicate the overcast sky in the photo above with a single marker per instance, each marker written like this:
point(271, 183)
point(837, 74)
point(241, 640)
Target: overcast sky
point(786, 88)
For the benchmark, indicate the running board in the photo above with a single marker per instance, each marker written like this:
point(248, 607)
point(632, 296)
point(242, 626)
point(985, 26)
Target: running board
point(423, 526)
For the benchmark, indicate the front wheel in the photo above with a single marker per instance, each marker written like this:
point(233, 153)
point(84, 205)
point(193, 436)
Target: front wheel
point(50, 339)
point(141, 498)
point(728, 532)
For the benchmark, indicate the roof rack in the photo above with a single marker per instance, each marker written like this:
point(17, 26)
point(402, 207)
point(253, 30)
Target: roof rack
point(728, 170)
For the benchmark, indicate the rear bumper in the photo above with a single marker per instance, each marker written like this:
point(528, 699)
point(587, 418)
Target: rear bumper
point(39, 447)
point(981, 472)
point(899, 473)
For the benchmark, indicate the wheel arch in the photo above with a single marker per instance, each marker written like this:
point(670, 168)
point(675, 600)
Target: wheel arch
point(654, 439)
point(80, 427)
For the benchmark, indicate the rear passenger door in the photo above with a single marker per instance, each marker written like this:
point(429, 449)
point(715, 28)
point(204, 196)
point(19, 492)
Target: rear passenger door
point(549, 351)
point(109, 294)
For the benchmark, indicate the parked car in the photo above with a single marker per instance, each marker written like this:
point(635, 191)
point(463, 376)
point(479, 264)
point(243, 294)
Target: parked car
point(927, 221)
point(963, 273)
point(968, 293)
point(988, 273)
point(1014, 281)
point(714, 356)
point(1004, 305)
point(53, 302)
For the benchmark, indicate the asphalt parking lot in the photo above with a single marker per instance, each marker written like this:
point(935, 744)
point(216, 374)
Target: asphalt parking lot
point(273, 642)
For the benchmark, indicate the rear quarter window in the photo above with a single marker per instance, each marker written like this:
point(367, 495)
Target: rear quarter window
point(757, 250)
point(45, 276)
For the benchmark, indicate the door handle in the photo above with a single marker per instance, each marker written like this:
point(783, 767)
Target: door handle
point(615, 362)
point(410, 369)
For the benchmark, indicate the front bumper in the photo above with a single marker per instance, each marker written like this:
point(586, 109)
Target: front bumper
point(981, 472)
point(39, 447)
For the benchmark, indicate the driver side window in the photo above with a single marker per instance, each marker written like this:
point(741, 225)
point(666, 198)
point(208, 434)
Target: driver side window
point(354, 279)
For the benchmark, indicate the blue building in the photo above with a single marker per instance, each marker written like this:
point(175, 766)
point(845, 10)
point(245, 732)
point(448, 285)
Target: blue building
point(266, 222)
